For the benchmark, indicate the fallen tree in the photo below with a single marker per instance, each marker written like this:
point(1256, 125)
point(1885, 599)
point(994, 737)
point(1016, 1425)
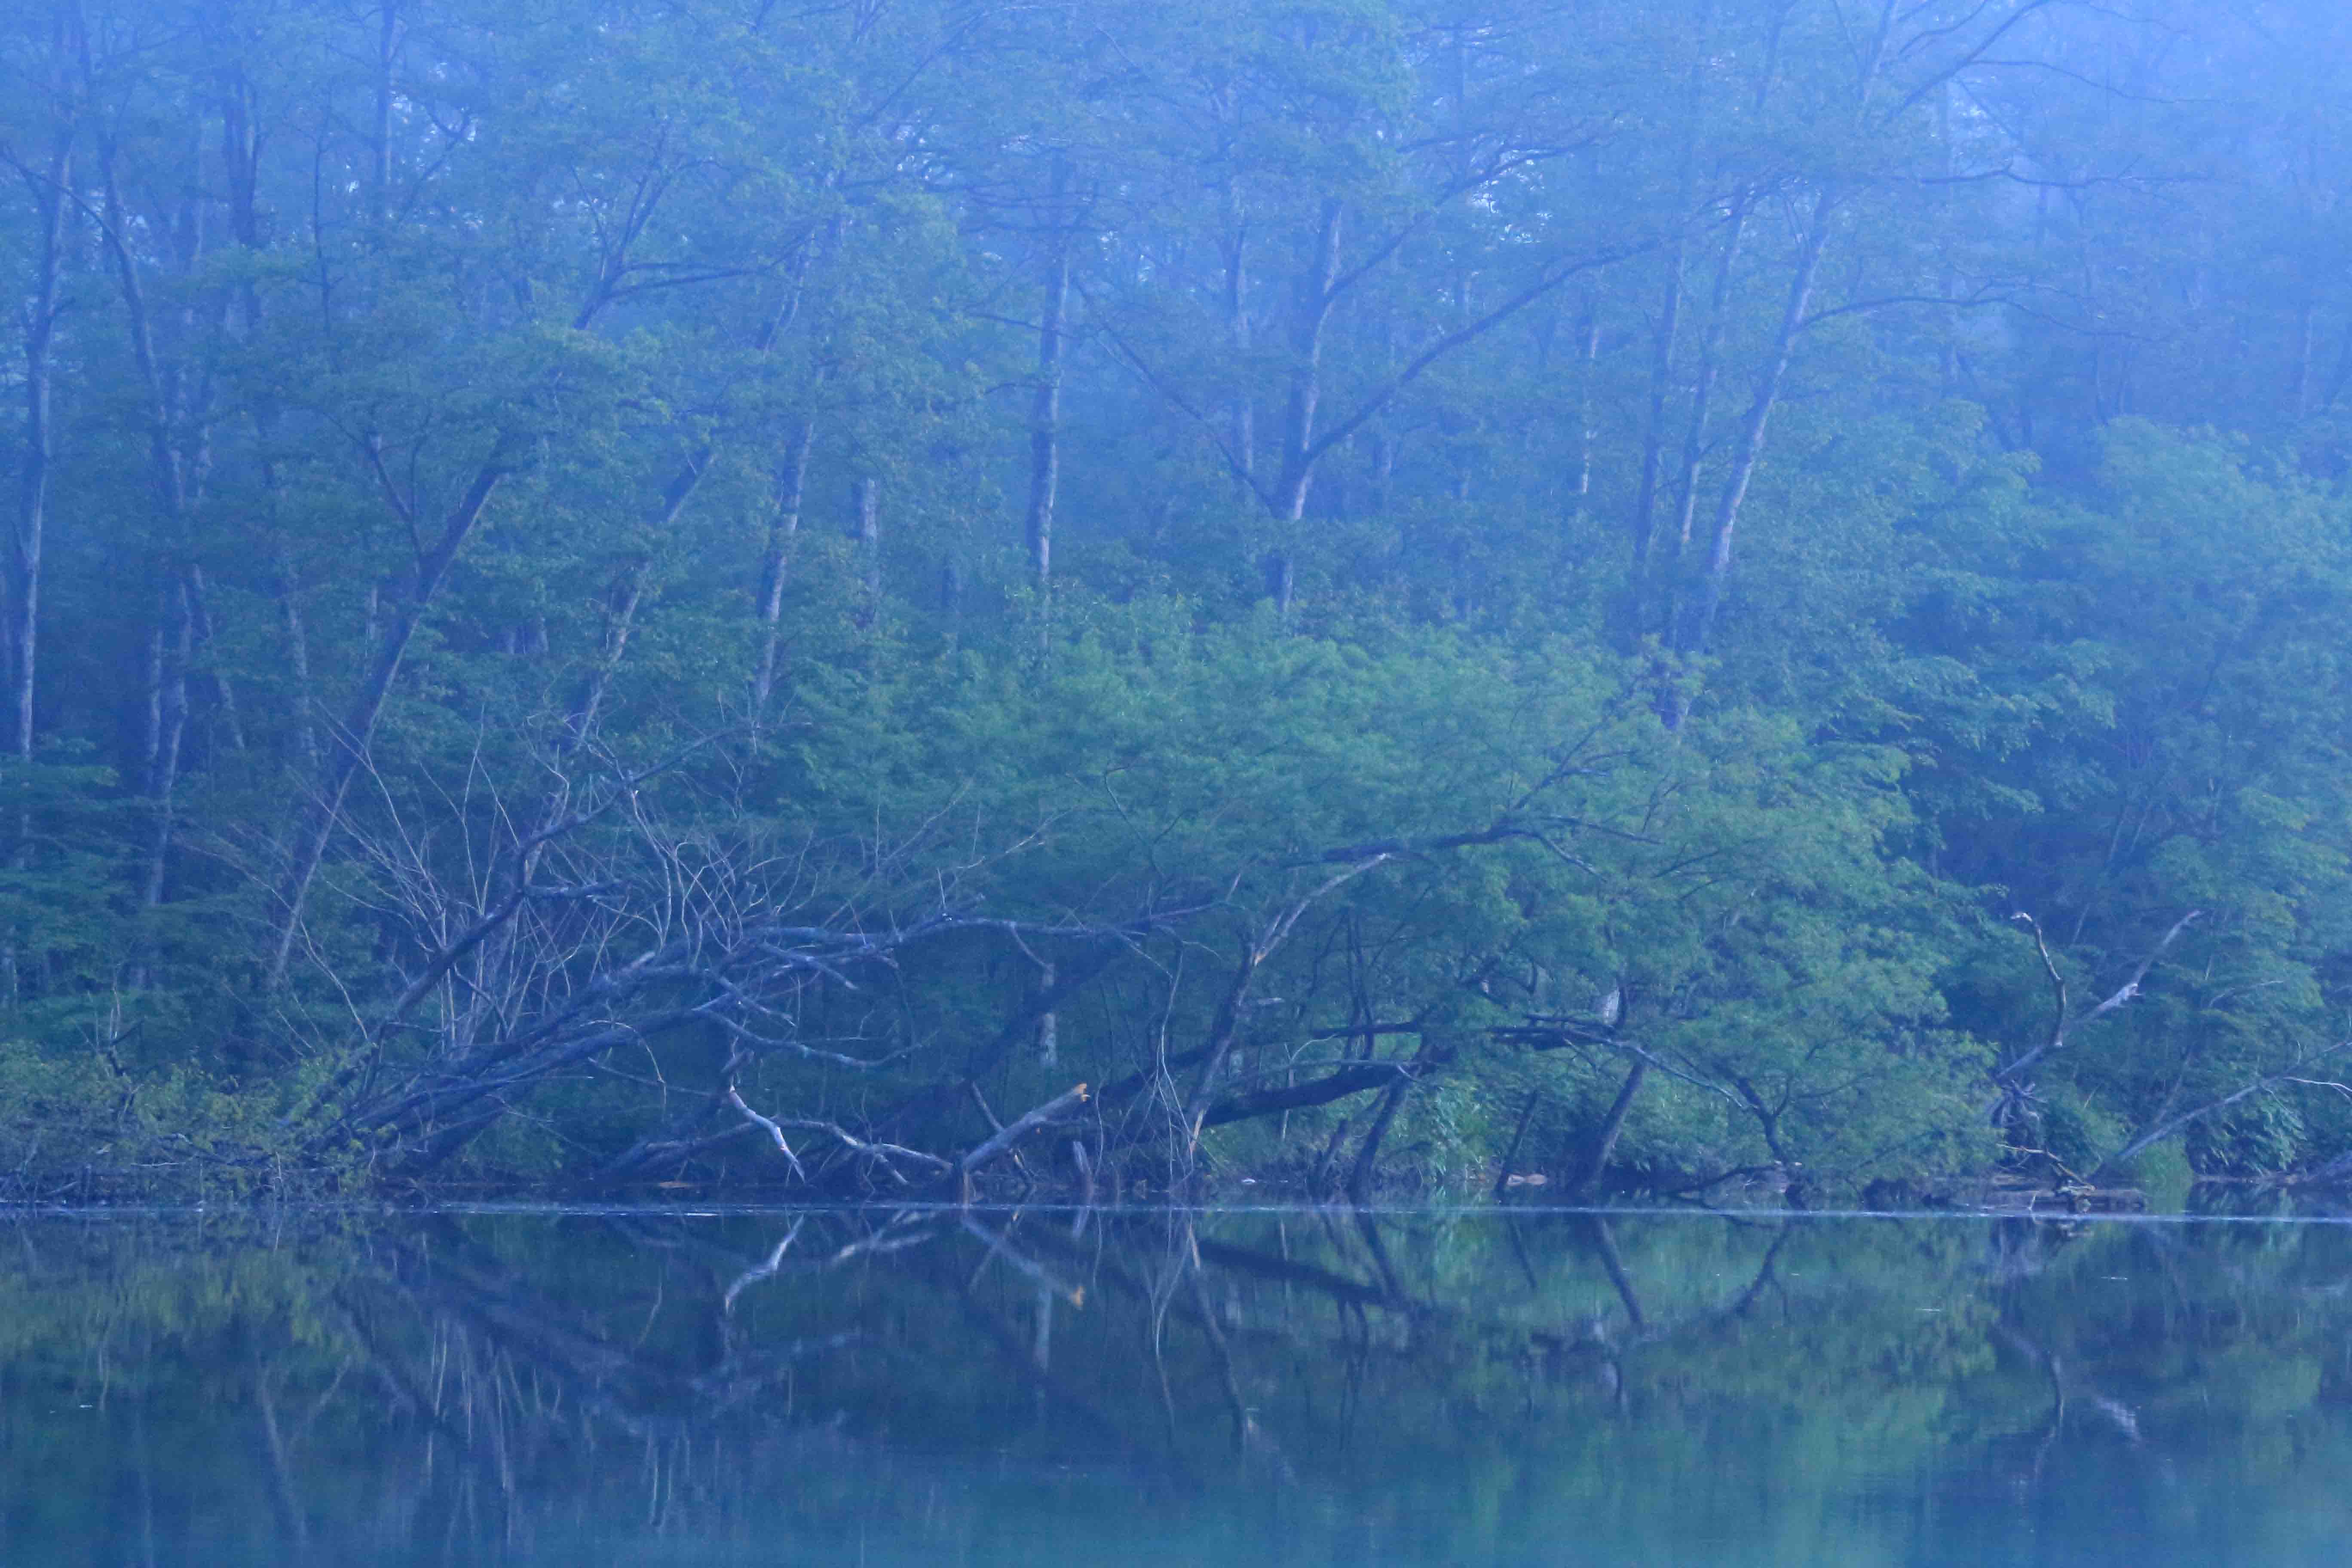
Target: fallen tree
point(622, 927)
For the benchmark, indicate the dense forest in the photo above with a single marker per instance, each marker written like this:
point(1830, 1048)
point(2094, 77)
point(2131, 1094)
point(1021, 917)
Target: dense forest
point(1689, 595)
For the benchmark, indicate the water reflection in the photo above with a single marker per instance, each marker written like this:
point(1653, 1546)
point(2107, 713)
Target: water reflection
point(1310, 1386)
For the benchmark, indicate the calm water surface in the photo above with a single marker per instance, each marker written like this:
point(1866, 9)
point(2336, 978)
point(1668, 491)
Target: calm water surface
point(1139, 1387)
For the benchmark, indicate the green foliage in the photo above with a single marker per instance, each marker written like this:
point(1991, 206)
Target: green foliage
point(1482, 546)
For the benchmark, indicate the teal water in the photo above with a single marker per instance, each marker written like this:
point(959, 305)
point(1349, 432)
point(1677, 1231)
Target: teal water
point(1146, 1387)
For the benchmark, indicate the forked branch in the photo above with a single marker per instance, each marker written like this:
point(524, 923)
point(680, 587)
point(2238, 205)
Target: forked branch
point(2064, 1022)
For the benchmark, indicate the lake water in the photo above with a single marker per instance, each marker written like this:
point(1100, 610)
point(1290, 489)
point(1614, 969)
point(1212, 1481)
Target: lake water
point(1144, 1387)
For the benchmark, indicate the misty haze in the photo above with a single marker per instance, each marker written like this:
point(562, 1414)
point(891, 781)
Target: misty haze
point(1162, 609)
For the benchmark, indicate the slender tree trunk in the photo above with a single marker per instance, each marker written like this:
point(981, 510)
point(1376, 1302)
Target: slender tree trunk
point(621, 602)
point(869, 540)
point(172, 647)
point(390, 32)
point(1604, 1138)
point(224, 689)
point(1383, 437)
point(1222, 1032)
point(1710, 368)
point(1311, 309)
point(2306, 346)
point(627, 593)
point(775, 565)
point(319, 816)
point(1666, 339)
point(240, 154)
point(1241, 416)
point(1519, 1136)
point(49, 201)
point(298, 664)
point(1653, 431)
point(167, 473)
point(1045, 415)
point(1588, 353)
point(1947, 368)
point(1049, 1030)
point(1759, 413)
point(172, 472)
point(1368, 1153)
point(2342, 376)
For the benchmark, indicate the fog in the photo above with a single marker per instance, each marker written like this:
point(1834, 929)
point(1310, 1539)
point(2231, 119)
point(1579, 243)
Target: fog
point(1691, 596)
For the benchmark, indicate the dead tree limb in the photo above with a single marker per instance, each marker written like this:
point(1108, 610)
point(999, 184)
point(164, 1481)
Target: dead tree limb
point(1368, 1155)
point(1339, 1085)
point(2171, 1124)
point(1227, 1027)
point(1025, 1266)
point(768, 1126)
point(2010, 1076)
point(1604, 1138)
point(874, 1151)
point(1069, 1100)
point(765, 1270)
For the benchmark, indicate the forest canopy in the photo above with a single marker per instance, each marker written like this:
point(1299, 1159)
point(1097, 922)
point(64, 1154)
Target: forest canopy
point(1679, 594)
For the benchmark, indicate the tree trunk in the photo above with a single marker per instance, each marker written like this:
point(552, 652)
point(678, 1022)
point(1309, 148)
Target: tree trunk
point(1588, 352)
point(621, 603)
point(318, 815)
point(173, 645)
point(224, 689)
point(1701, 627)
point(1604, 1138)
point(1653, 430)
point(1359, 1176)
point(390, 32)
point(869, 540)
point(49, 201)
point(240, 153)
point(170, 472)
point(297, 663)
point(166, 471)
point(1045, 415)
point(1310, 311)
point(1241, 416)
point(1049, 1027)
point(1519, 1136)
point(784, 524)
point(1222, 1032)
point(1710, 367)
